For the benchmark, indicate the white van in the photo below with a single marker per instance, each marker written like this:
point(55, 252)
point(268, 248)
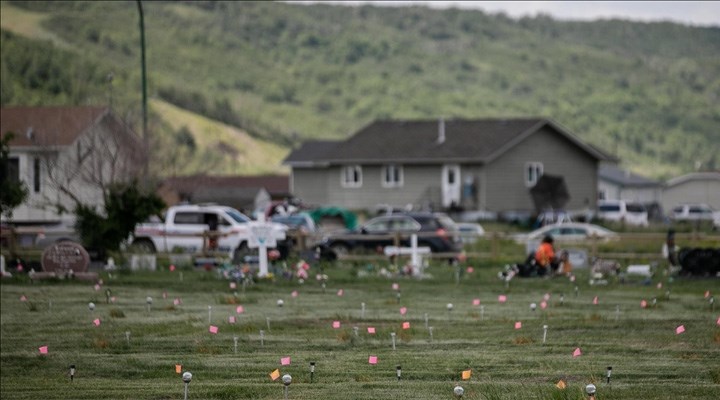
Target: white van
point(625, 211)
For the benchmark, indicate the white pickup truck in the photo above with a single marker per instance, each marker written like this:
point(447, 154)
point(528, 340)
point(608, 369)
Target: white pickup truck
point(184, 225)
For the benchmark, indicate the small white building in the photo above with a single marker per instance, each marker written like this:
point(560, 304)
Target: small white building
point(615, 183)
point(65, 155)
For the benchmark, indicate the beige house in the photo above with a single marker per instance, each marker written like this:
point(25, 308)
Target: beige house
point(67, 155)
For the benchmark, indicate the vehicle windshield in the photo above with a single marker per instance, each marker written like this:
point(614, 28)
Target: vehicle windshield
point(609, 207)
point(447, 223)
point(237, 215)
point(635, 207)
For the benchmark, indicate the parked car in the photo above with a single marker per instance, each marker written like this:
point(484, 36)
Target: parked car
point(183, 226)
point(629, 212)
point(299, 224)
point(693, 212)
point(470, 232)
point(436, 231)
point(568, 232)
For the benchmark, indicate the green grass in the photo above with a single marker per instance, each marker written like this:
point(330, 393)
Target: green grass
point(649, 360)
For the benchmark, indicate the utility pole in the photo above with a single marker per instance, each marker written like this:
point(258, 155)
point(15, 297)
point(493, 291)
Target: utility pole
point(144, 89)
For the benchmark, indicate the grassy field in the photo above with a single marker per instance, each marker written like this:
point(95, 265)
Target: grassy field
point(649, 359)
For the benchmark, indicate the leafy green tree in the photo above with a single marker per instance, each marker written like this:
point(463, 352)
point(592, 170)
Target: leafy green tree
point(12, 191)
point(126, 204)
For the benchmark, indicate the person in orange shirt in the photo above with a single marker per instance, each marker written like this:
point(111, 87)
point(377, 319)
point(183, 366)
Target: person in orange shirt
point(545, 257)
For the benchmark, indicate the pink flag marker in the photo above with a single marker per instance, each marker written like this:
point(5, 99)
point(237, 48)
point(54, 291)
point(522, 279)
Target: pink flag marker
point(97, 287)
point(336, 324)
point(372, 360)
point(572, 278)
point(476, 302)
point(340, 292)
point(176, 301)
point(595, 300)
point(518, 325)
point(231, 319)
point(577, 353)
point(406, 325)
point(395, 286)
point(371, 329)
point(113, 299)
point(172, 268)
point(546, 297)
point(680, 329)
point(23, 298)
point(470, 270)
point(239, 309)
point(659, 285)
point(213, 329)
point(285, 361)
point(96, 321)
point(43, 349)
point(718, 321)
point(502, 298)
point(294, 293)
point(403, 310)
point(543, 304)
point(643, 303)
point(707, 294)
point(233, 285)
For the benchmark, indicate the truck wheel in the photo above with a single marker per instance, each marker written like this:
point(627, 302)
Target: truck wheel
point(143, 246)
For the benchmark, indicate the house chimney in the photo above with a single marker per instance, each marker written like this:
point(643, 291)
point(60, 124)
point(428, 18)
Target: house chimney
point(441, 131)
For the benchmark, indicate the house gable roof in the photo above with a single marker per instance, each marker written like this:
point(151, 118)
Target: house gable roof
point(418, 141)
point(612, 173)
point(694, 176)
point(47, 126)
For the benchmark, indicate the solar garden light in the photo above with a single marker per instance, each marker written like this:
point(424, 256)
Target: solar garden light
point(127, 337)
point(286, 380)
point(577, 291)
point(654, 301)
point(609, 371)
point(262, 338)
point(533, 306)
point(430, 329)
point(280, 303)
point(186, 377)
point(459, 391)
point(148, 300)
point(209, 314)
point(312, 370)
point(91, 306)
point(397, 296)
point(107, 296)
point(545, 328)
point(235, 340)
point(712, 302)
point(398, 371)
point(449, 309)
point(355, 331)
point(590, 390)
point(72, 372)
point(362, 310)
point(392, 335)
point(562, 298)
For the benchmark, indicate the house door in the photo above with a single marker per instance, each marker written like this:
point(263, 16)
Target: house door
point(451, 185)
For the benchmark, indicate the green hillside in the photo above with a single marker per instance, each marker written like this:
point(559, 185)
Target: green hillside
point(283, 73)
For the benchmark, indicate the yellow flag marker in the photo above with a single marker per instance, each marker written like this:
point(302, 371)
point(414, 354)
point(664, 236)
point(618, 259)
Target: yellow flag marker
point(466, 374)
point(561, 384)
point(178, 368)
point(275, 374)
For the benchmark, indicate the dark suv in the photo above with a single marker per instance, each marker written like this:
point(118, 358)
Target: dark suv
point(434, 230)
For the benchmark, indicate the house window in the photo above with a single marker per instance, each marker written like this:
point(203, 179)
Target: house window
point(533, 172)
point(392, 176)
point(13, 170)
point(351, 176)
point(36, 175)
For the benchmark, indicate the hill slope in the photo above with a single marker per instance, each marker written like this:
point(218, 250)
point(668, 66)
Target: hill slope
point(283, 73)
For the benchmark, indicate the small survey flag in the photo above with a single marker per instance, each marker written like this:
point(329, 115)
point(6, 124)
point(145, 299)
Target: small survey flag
point(561, 384)
point(275, 374)
point(178, 368)
point(577, 353)
point(466, 374)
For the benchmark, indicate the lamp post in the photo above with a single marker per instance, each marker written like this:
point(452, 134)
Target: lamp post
point(590, 390)
point(186, 377)
point(459, 391)
point(286, 380)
